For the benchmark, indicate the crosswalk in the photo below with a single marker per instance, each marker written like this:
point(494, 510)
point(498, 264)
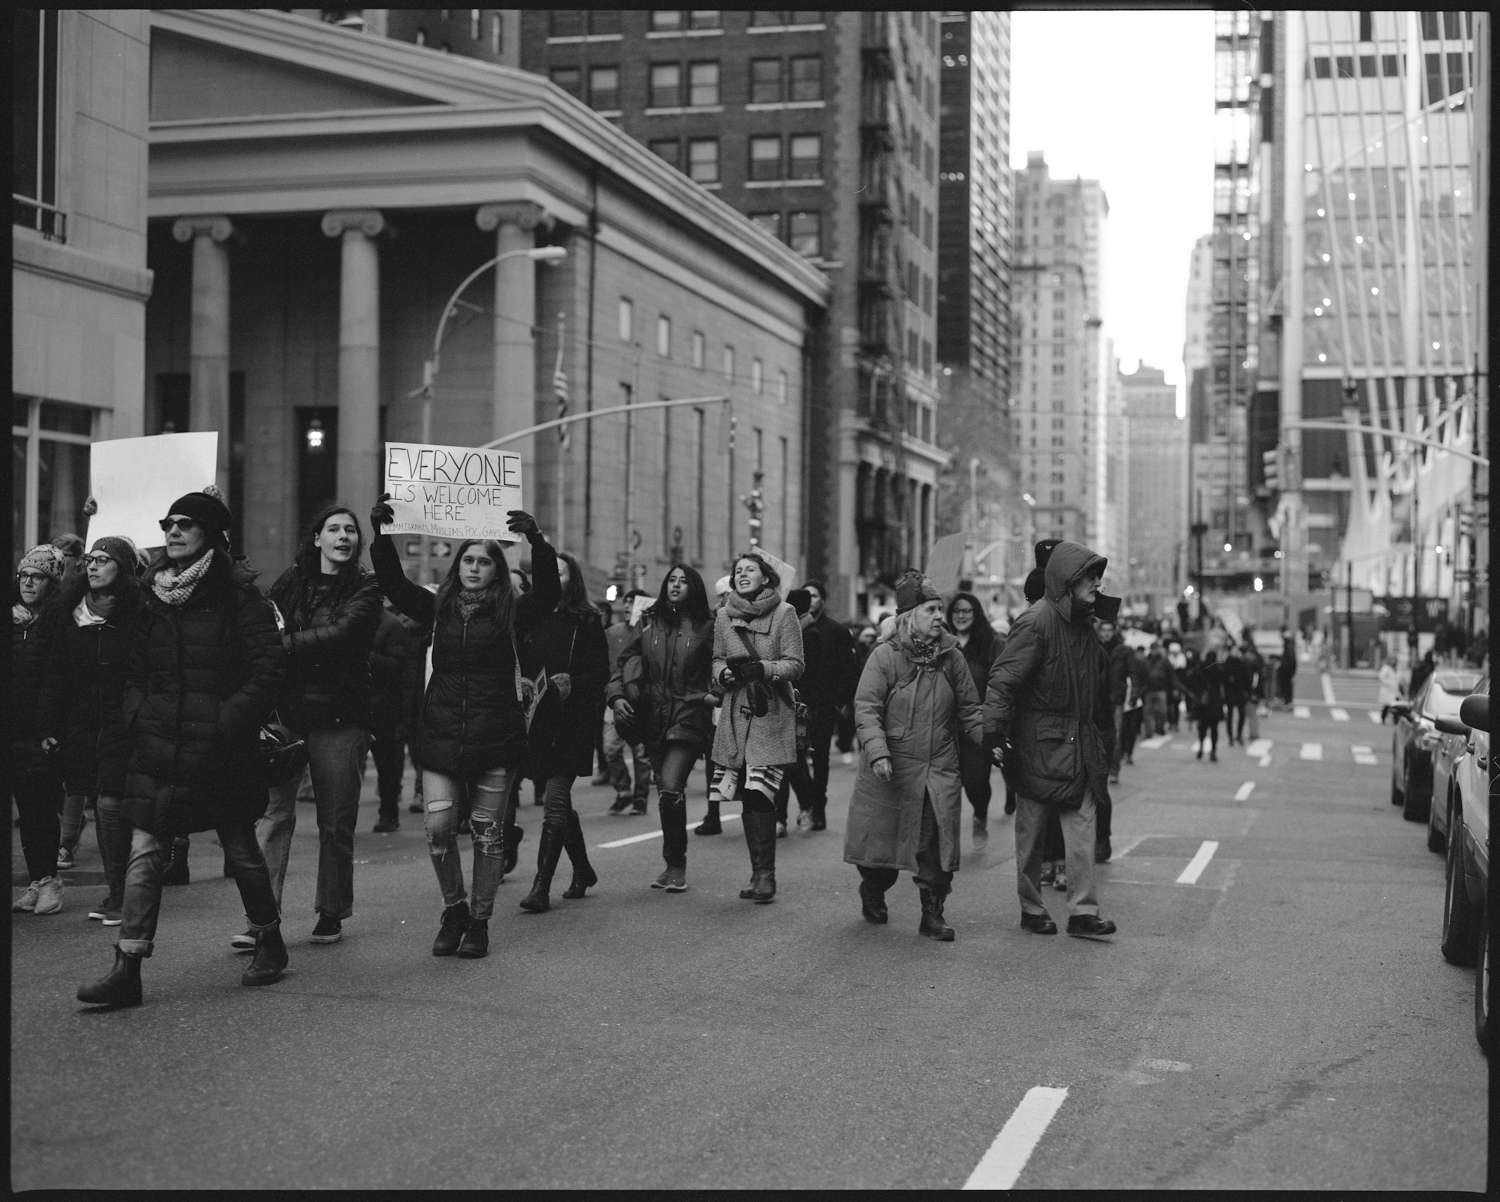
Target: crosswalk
point(1261, 749)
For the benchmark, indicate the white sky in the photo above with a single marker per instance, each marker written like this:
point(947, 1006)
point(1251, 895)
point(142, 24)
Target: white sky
point(1126, 98)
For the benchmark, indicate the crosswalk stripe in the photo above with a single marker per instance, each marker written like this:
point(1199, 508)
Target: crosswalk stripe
point(1328, 689)
point(1154, 742)
point(1244, 791)
point(1007, 1156)
point(1301, 711)
point(1363, 755)
point(1312, 751)
point(1259, 747)
point(1375, 717)
point(1339, 715)
point(1198, 863)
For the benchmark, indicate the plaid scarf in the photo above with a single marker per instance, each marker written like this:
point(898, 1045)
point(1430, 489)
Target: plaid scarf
point(176, 587)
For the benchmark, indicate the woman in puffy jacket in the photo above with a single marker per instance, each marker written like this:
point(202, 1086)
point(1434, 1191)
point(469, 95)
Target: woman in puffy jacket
point(668, 663)
point(568, 644)
point(473, 720)
point(83, 700)
point(330, 609)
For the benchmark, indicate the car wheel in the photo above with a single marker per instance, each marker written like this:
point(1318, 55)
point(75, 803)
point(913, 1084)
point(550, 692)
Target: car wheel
point(1413, 807)
point(1459, 916)
point(1482, 1029)
point(1396, 766)
point(1435, 840)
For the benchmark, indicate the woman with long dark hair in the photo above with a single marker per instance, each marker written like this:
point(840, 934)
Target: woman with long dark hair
point(330, 607)
point(669, 662)
point(473, 721)
point(757, 658)
point(568, 644)
point(977, 640)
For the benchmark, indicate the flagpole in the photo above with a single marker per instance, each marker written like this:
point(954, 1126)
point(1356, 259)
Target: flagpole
point(560, 387)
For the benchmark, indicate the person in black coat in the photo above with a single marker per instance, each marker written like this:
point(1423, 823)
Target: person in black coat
point(1236, 677)
point(569, 646)
point(980, 645)
point(828, 692)
point(330, 608)
point(1205, 683)
point(83, 700)
point(388, 665)
point(811, 803)
point(205, 665)
point(473, 723)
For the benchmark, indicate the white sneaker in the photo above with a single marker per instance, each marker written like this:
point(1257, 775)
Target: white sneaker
point(27, 901)
point(49, 895)
point(848, 757)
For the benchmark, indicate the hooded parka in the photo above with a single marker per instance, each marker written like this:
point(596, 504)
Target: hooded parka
point(915, 714)
point(563, 732)
point(674, 656)
point(1047, 695)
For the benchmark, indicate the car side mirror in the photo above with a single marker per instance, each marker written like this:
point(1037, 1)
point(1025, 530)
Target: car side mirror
point(1400, 707)
point(1475, 712)
point(1449, 727)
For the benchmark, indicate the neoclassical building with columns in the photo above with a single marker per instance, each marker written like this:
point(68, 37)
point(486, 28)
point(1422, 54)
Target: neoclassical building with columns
point(315, 197)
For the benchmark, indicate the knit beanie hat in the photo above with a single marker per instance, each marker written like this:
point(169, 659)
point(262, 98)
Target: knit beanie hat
point(43, 558)
point(913, 589)
point(800, 600)
point(206, 508)
point(1044, 550)
point(119, 548)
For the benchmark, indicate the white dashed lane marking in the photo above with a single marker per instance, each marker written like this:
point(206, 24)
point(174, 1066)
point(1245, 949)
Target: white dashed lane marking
point(656, 834)
point(1363, 755)
point(1007, 1156)
point(1198, 863)
point(1312, 751)
point(1301, 711)
point(1339, 715)
point(1244, 791)
point(1259, 747)
point(1375, 717)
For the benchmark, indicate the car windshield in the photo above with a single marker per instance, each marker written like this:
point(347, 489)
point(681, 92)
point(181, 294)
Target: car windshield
point(1447, 691)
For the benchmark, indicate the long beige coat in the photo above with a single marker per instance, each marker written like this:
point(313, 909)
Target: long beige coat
point(777, 639)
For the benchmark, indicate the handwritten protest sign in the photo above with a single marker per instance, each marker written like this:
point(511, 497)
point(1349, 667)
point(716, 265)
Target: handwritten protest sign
point(135, 480)
point(451, 492)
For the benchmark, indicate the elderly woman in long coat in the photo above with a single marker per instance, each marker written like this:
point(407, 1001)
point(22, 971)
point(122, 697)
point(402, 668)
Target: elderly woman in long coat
point(916, 699)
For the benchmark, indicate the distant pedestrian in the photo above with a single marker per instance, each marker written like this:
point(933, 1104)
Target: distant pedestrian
point(1180, 664)
point(1205, 686)
point(799, 777)
point(1160, 677)
point(1423, 668)
point(757, 658)
point(829, 696)
point(1135, 706)
point(1044, 710)
point(1117, 682)
point(473, 728)
point(1236, 678)
point(388, 669)
point(1256, 676)
point(1390, 686)
point(979, 645)
point(915, 707)
point(632, 795)
point(1286, 667)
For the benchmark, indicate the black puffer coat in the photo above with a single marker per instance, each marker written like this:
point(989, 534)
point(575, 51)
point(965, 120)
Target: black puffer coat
point(675, 661)
point(329, 632)
point(388, 667)
point(28, 668)
point(200, 680)
point(471, 719)
point(1047, 692)
point(563, 733)
point(83, 696)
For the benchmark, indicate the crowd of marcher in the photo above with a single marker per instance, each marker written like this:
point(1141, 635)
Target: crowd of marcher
point(162, 694)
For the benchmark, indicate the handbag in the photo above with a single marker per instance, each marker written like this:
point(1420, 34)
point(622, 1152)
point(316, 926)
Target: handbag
point(283, 755)
point(760, 701)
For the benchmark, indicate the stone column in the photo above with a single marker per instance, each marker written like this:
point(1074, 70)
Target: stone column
point(359, 355)
point(208, 339)
point(514, 396)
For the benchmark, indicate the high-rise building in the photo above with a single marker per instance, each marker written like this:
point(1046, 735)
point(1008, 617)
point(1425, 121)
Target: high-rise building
point(1156, 489)
point(1059, 402)
point(766, 110)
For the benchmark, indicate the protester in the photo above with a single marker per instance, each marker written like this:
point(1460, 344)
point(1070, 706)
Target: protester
point(1135, 707)
point(1390, 686)
point(1117, 684)
point(473, 728)
point(810, 807)
point(829, 694)
point(1205, 685)
point(979, 644)
point(71, 547)
point(1255, 676)
point(82, 705)
point(568, 645)
point(413, 691)
point(628, 796)
point(757, 658)
point(661, 685)
point(388, 662)
point(35, 773)
point(1286, 667)
point(1179, 662)
point(1236, 683)
point(205, 665)
point(1160, 680)
point(1044, 710)
point(915, 707)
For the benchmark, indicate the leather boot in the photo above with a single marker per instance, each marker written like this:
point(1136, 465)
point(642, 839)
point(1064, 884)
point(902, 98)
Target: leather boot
point(511, 847)
point(176, 872)
point(584, 876)
point(760, 836)
point(270, 958)
point(872, 904)
point(752, 845)
point(454, 923)
point(547, 853)
point(121, 986)
point(932, 924)
point(710, 824)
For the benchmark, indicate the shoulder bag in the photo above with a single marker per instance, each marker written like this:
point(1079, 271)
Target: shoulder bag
point(799, 708)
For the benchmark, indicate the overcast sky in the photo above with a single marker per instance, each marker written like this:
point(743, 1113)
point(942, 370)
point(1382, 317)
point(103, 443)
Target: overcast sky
point(1126, 98)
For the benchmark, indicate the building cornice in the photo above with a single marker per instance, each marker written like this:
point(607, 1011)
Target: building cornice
point(56, 260)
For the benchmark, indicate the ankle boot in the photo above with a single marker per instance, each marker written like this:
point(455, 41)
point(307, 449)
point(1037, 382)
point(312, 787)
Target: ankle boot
point(872, 904)
point(511, 848)
point(584, 876)
point(176, 872)
point(710, 824)
point(270, 958)
point(547, 853)
point(121, 986)
point(455, 922)
point(476, 942)
point(932, 924)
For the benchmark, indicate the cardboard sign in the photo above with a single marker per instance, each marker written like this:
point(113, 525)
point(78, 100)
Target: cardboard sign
point(135, 480)
point(451, 492)
point(945, 561)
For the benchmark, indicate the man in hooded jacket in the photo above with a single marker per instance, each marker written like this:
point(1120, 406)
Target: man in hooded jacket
point(1044, 712)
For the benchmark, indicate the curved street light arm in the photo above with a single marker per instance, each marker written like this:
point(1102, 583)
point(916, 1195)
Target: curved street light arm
point(589, 414)
point(1383, 432)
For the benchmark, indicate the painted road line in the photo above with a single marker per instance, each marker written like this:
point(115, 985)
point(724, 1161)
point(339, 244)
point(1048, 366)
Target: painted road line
point(1265, 760)
point(1259, 747)
point(1328, 697)
point(1154, 742)
point(1198, 863)
point(1129, 846)
point(656, 834)
point(1301, 711)
point(1312, 751)
point(1375, 717)
point(1244, 791)
point(1007, 1156)
point(1339, 715)
point(1363, 755)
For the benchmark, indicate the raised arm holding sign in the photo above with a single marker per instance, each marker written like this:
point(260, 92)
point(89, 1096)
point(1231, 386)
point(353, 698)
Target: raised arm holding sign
point(451, 492)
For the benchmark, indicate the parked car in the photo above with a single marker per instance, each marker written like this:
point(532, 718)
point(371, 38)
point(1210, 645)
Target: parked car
point(1465, 925)
point(1417, 737)
point(1453, 742)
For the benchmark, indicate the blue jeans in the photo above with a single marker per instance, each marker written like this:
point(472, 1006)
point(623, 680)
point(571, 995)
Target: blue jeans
point(487, 793)
point(335, 758)
point(148, 861)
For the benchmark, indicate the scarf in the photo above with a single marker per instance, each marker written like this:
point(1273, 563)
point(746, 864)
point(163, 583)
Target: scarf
point(757, 607)
point(468, 602)
point(176, 587)
point(917, 649)
point(21, 615)
point(85, 614)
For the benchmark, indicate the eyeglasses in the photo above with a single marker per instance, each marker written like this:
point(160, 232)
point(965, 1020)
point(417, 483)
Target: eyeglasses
point(96, 561)
point(183, 524)
point(31, 577)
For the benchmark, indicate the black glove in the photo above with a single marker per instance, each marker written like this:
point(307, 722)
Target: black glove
point(754, 670)
point(382, 514)
point(520, 522)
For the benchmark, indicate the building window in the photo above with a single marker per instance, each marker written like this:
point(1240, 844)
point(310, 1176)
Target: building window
point(927, 295)
point(666, 86)
point(565, 22)
point(698, 349)
point(729, 365)
point(786, 482)
point(927, 228)
point(765, 158)
point(1345, 66)
point(805, 233)
point(474, 23)
point(1368, 67)
point(703, 160)
point(767, 18)
point(34, 101)
point(1322, 68)
point(765, 80)
point(926, 357)
point(569, 79)
point(664, 336)
point(912, 351)
point(604, 87)
point(703, 84)
point(928, 163)
point(50, 458)
point(667, 149)
point(1390, 65)
point(497, 34)
point(700, 434)
point(781, 387)
point(770, 222)
point(757, 376)
point(807, 78)
point(627, 320)
point(666, 20)
point(704, 18)
point(604, 20)
point(807, 156)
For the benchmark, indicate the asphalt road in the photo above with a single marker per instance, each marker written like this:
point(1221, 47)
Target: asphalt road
point(1284, 1021)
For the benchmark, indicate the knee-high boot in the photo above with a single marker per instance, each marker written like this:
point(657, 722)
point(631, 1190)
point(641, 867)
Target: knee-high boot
point(760, 838)
point(547, 853)
point(584, 876)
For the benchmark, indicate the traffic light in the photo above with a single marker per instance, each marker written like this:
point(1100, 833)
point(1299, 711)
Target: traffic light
point(1272, 461)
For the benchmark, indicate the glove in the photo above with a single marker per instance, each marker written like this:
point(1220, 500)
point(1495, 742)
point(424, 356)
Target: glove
point(754, 670)
point(882, 768)
point(518, 521)
point(381, 514)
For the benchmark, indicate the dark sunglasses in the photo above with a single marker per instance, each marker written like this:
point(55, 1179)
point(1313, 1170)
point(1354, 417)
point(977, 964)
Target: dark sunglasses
point(184, 524)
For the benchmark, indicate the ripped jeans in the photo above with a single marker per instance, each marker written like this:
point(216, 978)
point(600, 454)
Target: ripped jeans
point(487, 793)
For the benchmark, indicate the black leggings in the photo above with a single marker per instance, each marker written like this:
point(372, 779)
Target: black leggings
point(1210, 732)
point(39, 797)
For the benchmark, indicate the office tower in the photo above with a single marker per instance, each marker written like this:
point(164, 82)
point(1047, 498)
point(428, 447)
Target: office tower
point(1155, 490)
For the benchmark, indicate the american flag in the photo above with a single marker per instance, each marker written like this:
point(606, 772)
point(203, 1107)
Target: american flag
point(560, 387)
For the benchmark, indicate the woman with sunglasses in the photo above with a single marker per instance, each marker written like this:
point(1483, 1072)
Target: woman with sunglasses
point(473, 725)
point(35, 775)
point(205, 665)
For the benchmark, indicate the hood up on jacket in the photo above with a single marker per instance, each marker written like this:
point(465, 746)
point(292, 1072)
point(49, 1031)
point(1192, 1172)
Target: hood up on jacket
point(1069, 563)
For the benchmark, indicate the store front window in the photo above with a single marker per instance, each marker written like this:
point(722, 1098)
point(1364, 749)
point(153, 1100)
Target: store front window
point(50, 464)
